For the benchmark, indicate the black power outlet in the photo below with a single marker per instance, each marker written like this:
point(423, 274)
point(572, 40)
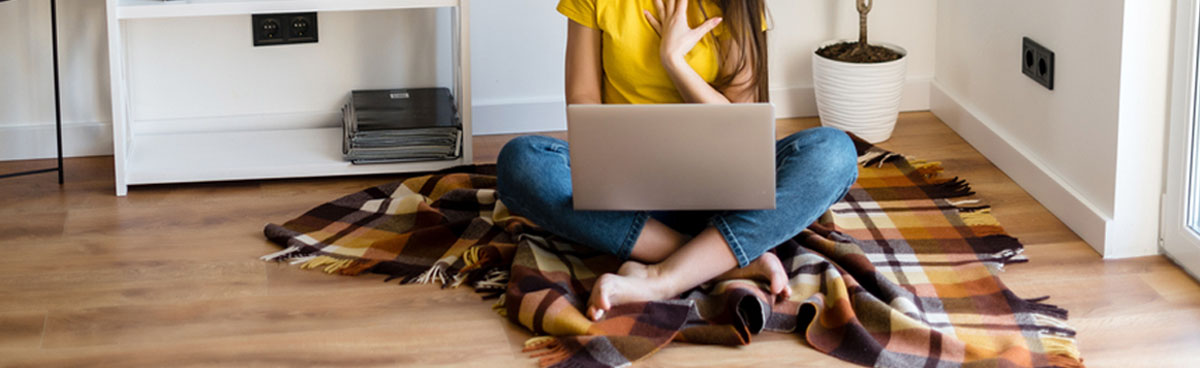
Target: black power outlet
point(284, 29)
point(1037, 62)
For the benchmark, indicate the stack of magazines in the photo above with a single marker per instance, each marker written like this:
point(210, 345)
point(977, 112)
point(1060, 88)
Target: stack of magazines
point(398, 125)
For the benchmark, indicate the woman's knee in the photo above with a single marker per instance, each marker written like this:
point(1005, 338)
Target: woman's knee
point(843, 155)
point(527, 167)
point(522, 154)
point(832, 147)
point(521, 149)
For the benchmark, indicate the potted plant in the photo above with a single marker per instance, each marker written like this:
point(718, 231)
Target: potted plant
point(859, 85)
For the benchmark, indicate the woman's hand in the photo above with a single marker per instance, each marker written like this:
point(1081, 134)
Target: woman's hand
point(678, 37)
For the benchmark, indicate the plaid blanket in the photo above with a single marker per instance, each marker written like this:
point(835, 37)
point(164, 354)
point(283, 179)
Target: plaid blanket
point(900, 273)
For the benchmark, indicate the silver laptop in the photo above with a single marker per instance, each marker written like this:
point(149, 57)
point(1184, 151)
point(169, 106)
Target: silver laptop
point(672, 157)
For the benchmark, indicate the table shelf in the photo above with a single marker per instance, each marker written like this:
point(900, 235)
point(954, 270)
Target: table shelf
point(223, 156)
point(255, 152)
point(142, 9)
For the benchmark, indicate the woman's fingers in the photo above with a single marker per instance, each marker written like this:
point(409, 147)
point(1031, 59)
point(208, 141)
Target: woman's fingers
point(658, 5)
point(654, 23)
point(707, 26)
point(595, 313)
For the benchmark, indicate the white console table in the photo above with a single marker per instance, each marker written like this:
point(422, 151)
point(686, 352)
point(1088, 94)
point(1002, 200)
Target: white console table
point(256, 154)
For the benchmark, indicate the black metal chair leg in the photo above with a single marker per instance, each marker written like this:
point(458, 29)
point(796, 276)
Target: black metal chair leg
point(57, 94)
point(57, 101)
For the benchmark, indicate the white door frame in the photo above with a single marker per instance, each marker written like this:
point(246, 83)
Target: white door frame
point(1179, 241)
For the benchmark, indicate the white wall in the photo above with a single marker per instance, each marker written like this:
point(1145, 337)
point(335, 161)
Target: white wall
point(192, 74)
point(1087, 150)
point(26, 79)
point(517, 51)
point(209, 72)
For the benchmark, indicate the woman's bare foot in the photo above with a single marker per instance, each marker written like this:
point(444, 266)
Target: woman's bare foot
point(634, 269)
point(637, 282)
point(766, 268)
point(633, 282)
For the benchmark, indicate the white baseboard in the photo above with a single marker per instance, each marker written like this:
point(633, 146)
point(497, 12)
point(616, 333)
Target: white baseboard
point(519, 116)
point(796, 102)
point(1076, 211)
point(26, 142)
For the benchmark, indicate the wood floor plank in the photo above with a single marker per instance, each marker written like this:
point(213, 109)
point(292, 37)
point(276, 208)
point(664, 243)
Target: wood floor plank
point(418, 342)
point(340, 309)
point(33, 225)
point(169, 276)
point(21, 330)
point(162, 281)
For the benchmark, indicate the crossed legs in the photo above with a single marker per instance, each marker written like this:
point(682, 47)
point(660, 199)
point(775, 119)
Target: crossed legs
point(814, 169)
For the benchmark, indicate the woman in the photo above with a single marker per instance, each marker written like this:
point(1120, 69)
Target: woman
point(674, 51)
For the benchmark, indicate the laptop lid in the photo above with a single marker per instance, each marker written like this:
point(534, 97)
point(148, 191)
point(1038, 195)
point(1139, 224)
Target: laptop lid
point(672, 157)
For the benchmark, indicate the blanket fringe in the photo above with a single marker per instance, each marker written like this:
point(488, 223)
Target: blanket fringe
point(307, 258)
point(1060, 347)
point(1004, 258)
point(553, 351)
point(970, 205)
point(493, 284)
point(927, 169)
point(283, 255)
point(877, 156)
point(333, 265)
point(500, 307)
point(1056, 336)
point(979, 218)
point(952, 188)
point(474, 260)
point(436, 273)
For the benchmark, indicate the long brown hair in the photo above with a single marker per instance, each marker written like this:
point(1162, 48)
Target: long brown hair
point(745, 21)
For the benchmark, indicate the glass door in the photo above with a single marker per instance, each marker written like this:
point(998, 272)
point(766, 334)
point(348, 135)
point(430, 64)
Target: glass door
point(1181, 203)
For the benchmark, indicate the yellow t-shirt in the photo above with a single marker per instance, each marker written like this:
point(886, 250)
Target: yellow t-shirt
point(633, 71)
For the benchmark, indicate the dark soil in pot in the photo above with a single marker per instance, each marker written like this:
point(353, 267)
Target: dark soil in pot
point(849, 52)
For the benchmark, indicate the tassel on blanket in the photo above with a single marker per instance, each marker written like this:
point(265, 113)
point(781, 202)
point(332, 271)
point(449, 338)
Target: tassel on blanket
point(333, 265)
point(306, 258)
point(875, 156)
point(437, 273)
point(500, 307)
point(554, 351)
point(969, 205)
point(1005, 257)
point(1000, 250)
point(1055, 335)
point(952, 188)
point(286, 254)
point(480, 272)
point(927, 169)
point(494, 283)
point(474, 258)
point(1057, 338)
point(979, 218)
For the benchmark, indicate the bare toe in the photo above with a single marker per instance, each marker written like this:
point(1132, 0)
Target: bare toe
point(599, 301)
point(775, 275)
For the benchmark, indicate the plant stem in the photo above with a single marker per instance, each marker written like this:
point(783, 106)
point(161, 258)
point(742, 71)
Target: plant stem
point(864, 7)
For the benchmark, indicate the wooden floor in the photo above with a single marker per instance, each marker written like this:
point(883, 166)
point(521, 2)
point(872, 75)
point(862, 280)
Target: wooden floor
point(170, 276)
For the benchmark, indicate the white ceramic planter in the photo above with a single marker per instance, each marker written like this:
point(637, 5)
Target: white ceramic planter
point(863, 99)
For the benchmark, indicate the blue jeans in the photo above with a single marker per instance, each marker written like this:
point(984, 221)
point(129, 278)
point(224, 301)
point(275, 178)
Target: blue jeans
point(813, 170)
